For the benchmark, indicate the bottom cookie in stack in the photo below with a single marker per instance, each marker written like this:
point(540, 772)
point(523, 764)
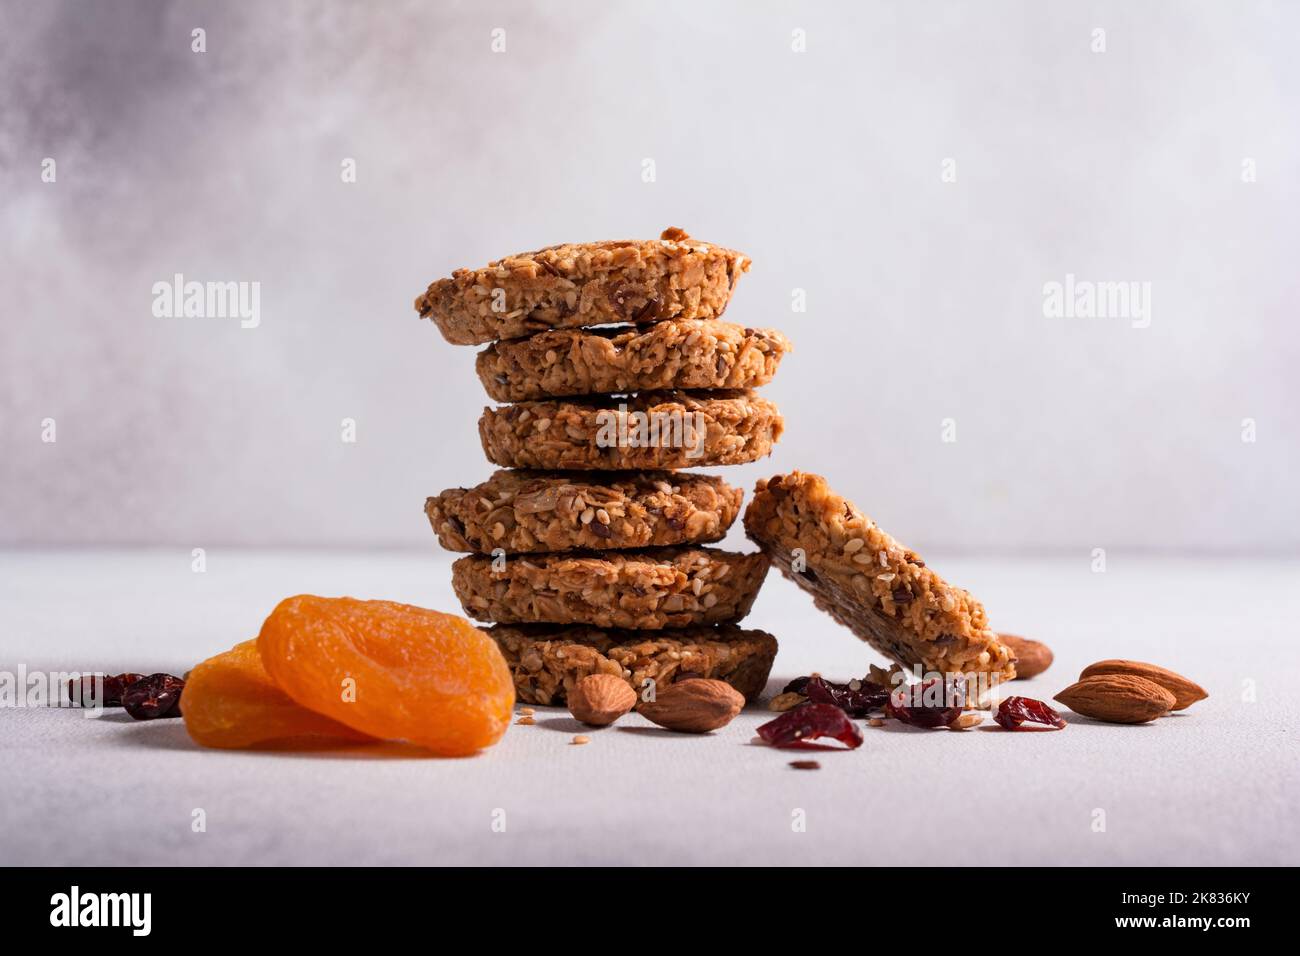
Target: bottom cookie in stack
point(547, 660)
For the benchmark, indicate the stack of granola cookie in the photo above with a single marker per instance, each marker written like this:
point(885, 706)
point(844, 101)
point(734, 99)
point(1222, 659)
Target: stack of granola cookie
point(587, 552)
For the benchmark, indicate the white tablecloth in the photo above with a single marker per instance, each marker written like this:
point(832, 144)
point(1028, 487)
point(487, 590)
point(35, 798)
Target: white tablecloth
point(1212, 785)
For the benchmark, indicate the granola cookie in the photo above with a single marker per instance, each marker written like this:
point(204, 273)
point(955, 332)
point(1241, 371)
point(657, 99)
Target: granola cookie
point(547, 660)
point(528, 511)
point(648, 590)
point(683, 353)
point(869, 582)
point(651, 430)
point(596, 283)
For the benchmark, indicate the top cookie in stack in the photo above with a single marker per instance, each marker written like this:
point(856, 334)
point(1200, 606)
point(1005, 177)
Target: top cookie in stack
point(577, 286)
point(593, 547)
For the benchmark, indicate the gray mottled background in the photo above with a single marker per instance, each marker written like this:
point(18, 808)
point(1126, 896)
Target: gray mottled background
point(924, 297)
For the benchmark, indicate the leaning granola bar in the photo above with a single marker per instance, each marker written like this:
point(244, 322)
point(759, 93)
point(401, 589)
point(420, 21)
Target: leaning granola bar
point(869, 582)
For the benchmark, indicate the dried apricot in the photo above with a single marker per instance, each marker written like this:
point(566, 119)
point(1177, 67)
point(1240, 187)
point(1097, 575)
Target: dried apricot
point(231, 701)
point(391, 670)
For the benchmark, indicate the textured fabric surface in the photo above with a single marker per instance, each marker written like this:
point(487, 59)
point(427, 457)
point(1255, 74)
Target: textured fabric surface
point(1209, 786)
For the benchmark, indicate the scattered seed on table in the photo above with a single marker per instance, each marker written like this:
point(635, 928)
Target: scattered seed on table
point(805, 765)
point(526, 721)
point(581, 739)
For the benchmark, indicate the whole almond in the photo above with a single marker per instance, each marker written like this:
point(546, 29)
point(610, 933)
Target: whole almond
point(601, 699)
point(1032, 657)
point(1117, 698)
point(694, 706)
point(1185, 692)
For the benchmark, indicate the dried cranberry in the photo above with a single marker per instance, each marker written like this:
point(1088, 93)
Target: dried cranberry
point(85, 692)
point(857, 698)
point(158, 695)
point(797, 727)
point(934, 703)
point(796, 686)
point(1015, 711)
point(859, 701)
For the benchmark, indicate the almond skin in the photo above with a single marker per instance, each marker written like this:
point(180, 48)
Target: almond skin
point(694, 706)
point(1185, 692)
point(1117, 698)
point(1032, 657)
point(601, 699)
